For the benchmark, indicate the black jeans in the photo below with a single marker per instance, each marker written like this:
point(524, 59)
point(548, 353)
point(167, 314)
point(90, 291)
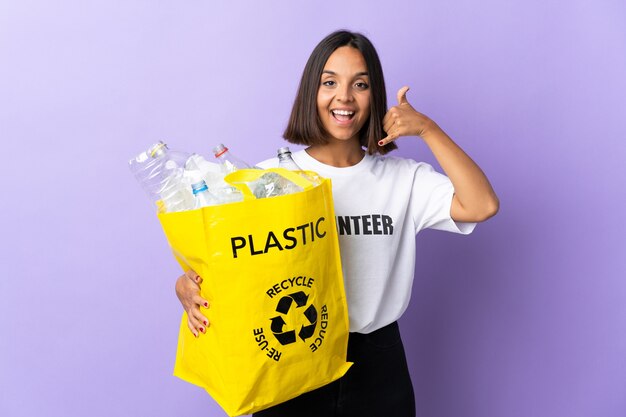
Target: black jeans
point(377, 385)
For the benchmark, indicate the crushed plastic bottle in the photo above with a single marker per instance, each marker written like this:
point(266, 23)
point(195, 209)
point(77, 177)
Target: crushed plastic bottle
point(198, 168)
point(197, 165)
point(272, 184)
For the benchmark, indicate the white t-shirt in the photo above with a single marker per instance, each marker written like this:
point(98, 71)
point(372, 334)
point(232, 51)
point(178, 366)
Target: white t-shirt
point(381, 203)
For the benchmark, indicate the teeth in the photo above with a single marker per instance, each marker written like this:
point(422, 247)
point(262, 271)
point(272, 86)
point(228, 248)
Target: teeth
point(343, 112)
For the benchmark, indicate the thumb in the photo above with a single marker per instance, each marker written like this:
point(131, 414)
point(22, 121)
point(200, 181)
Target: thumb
point(402, 95)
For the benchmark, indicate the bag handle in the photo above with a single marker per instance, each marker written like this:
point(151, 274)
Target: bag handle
point(239, 178)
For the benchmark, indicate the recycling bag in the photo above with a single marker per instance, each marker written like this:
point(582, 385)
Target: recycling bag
point(272, 275)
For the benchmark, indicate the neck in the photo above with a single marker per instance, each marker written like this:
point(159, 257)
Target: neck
point(339, 154)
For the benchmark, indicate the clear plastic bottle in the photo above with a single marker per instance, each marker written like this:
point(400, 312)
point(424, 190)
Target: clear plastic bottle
point(224, 192)
point(272, 184)
point(203, 197)
point(229, 161)
point(198, 168)
point(197, 165)
point(160, 172)
point(286, 161)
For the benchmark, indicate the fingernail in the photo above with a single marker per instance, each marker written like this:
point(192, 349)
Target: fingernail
point(195, 334)
point(202, 329)
point(206, 305)
point(380, 143)
point(205, 323)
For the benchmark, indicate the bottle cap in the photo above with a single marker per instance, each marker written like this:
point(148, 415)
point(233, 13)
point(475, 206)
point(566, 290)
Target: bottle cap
point(157, 149)
point(220, 150)
point(199, 187)
point(283, 150)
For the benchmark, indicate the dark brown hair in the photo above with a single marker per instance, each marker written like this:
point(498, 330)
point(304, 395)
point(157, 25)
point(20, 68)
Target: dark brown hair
point(305, 126)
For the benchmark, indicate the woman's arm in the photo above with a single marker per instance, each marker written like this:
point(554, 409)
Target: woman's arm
point(474, 199)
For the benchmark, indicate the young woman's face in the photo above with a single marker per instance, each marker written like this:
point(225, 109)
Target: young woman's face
point(343, 97)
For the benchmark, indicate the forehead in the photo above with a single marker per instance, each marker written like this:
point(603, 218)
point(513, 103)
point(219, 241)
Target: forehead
point(346, 60)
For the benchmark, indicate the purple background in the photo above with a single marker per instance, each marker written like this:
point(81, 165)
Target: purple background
point(526, 317)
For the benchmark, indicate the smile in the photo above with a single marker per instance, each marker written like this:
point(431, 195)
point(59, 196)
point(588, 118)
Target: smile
point(342, 115)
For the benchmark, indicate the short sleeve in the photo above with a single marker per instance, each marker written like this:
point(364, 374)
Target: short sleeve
point(431, 200)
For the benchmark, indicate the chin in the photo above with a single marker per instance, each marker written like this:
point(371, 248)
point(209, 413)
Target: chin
point(342, 138)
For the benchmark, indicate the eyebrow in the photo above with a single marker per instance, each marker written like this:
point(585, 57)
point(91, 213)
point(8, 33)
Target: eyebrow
point(358, 74)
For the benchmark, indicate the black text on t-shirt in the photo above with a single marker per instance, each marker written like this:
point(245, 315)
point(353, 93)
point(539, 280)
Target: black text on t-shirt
point(367, 224)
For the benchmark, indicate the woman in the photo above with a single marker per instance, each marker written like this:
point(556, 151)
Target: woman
point(381, 202)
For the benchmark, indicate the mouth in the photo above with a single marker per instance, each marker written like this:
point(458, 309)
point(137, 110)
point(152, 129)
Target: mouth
point(342, 116)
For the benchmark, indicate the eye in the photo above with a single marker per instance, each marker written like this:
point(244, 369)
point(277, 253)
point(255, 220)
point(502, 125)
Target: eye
point(328, 83)
point(362, 86)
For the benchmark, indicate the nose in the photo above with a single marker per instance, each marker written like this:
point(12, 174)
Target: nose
point(344, 93)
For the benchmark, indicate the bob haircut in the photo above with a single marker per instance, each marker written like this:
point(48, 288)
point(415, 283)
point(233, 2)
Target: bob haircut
point(305, 126)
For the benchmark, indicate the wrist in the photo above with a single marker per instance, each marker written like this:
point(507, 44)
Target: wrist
point(430, 130)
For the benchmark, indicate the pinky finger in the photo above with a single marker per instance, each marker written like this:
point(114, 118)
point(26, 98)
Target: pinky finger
point(195, 326)
point(390, 138)
point(197, 323)
point(192, 328)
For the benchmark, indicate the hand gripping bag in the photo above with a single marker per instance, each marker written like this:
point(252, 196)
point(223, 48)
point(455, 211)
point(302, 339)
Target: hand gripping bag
point(272, 274)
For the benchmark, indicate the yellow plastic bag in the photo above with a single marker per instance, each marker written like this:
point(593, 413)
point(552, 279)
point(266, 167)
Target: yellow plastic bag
point(272, 274)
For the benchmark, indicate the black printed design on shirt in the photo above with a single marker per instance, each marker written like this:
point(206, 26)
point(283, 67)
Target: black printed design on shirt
point(367, 224)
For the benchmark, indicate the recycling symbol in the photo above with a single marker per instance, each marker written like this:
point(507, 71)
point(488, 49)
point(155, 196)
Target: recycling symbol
point(286, 337)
